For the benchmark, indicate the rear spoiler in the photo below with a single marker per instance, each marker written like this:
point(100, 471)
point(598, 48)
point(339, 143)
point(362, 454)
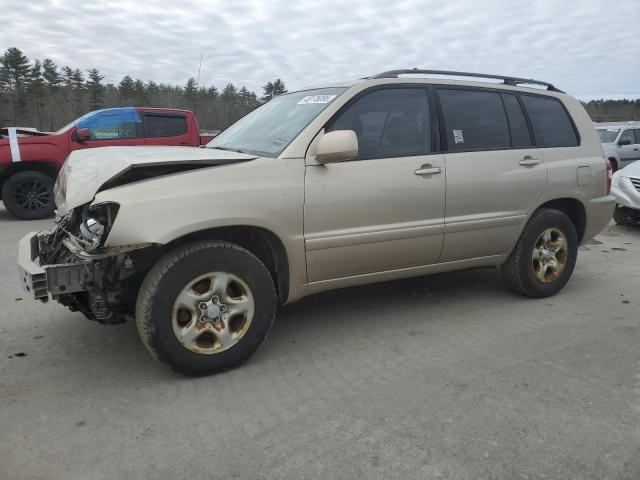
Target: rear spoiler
point(23, 131)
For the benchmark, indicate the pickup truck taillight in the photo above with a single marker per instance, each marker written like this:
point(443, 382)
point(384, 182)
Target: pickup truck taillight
point(609, 174)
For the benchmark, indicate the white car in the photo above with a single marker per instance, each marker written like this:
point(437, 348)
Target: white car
point(625, 186)
point(621, 143)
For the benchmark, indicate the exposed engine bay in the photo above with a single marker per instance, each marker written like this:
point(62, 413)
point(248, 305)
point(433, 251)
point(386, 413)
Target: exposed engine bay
point(83, 275)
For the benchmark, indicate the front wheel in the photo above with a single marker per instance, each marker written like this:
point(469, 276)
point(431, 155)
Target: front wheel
point(545, 255)
point(205, 307)
point(29, 195)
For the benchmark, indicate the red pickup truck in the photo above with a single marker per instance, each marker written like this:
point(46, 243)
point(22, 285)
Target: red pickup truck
point(30, 160)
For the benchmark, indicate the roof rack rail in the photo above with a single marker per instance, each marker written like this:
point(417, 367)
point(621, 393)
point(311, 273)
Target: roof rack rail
point(507, 80)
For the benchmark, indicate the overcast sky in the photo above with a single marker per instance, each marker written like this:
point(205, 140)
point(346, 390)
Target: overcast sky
point(590, 49)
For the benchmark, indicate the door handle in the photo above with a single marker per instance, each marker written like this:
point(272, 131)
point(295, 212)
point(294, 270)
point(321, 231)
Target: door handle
point(529, 161)
point(428, 170)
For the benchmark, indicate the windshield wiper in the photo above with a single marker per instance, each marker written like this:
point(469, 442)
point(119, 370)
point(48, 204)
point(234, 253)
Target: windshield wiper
point(237, 150)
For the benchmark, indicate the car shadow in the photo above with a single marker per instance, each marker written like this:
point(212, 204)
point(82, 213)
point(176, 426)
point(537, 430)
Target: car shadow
point(379, 308)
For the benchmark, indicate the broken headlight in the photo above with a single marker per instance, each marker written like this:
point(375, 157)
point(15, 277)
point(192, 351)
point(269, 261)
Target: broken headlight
point(96, 223)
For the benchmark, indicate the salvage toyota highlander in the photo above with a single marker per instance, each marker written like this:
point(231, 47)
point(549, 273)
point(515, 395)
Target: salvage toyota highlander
point(382, 178)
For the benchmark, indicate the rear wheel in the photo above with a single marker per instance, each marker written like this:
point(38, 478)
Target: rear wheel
point(625, 215)
point(29, 195)
point(205, 307)
point(544, 257)
point(614, 165)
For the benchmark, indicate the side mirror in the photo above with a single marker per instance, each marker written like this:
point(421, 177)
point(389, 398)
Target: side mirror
point(83, 134)
point(337, 146)
point(624, 142)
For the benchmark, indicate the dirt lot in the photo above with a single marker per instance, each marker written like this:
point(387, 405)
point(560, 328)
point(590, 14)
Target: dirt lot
point(448, 376)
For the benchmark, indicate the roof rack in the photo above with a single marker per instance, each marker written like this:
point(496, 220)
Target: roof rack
point(507, 80)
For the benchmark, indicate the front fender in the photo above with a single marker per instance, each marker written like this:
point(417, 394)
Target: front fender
point(267, 193)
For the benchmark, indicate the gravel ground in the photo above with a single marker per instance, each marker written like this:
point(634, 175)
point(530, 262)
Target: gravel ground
point(447, 376)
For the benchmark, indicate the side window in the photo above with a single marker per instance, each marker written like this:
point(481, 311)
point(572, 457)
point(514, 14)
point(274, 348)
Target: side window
point(474, 120)
point(638, 136)
point(551, 124)
point(113, 124)
point(627, 138)
point(393, 122)
point(520, 136)
point(164, 125)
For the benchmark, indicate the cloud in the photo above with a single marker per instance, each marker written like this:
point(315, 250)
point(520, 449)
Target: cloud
point(588, 49)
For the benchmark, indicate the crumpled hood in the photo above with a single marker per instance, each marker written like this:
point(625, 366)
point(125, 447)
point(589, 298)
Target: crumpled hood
point(85, 172)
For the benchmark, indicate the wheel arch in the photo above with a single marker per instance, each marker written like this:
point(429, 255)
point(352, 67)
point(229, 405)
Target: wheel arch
point(48, 167)
point(572, 208)
point(263, 243)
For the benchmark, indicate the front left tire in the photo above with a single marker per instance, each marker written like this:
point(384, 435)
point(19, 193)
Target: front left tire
point(28, 195)
point(205, 307)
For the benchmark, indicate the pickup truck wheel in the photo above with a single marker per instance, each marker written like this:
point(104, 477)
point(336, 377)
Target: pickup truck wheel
point(29, 195)
point(544, 257)
point(205, 307)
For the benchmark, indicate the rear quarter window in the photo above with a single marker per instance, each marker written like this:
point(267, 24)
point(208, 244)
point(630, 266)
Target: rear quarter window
point(551, 124)
point(165, 125)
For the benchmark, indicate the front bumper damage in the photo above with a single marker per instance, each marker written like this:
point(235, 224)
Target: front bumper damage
point(102, 285)
point(56, 280)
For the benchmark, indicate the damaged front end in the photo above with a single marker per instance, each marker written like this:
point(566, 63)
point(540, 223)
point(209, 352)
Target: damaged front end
point(71, 264)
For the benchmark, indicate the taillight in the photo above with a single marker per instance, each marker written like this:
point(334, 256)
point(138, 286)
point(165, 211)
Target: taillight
point(609, 174)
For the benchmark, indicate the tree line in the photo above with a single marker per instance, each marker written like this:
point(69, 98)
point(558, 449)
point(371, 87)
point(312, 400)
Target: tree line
point(38, 93)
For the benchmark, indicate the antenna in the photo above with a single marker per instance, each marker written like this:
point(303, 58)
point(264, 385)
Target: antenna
point(195, 98)
point(199, 69)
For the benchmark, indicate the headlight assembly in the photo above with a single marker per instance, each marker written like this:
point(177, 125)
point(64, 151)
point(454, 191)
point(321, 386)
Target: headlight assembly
point(97, 222)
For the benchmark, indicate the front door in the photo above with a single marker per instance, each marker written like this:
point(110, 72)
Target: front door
point(629, 147)
point(494, 173)
point(385, 209)
point(109, 128)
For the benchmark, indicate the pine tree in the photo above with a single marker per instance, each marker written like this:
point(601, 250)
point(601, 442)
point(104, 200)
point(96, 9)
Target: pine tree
point(96, 89)
point(36, 92)
point(126, 89)
point(273, 89)
point(15, 72)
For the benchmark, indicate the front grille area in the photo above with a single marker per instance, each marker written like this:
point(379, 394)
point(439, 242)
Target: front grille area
point(635, 182)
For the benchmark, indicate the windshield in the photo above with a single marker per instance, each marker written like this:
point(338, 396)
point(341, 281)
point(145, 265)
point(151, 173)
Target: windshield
point(77, 120)
point(270, 128)
point(608, 135)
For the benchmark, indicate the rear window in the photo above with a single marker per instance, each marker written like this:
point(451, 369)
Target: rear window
point(551, 125)
point(475, 120)
point(165, 125)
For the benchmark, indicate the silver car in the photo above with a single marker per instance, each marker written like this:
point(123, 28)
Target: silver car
point(626, 190)
point(621, 143)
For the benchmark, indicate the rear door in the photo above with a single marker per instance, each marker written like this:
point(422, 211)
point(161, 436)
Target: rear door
point(495, 174)
point(166, 129)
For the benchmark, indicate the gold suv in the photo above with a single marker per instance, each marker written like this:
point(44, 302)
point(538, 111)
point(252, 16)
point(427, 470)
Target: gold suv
point(386, 177)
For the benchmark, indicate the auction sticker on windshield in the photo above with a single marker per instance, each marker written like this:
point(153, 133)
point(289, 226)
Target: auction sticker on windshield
point(316, 99)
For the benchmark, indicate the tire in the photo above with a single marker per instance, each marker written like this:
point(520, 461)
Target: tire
point(530, 260)
point(162, 320)
point(28, 195)
point(625, 216)
point(614, 165)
